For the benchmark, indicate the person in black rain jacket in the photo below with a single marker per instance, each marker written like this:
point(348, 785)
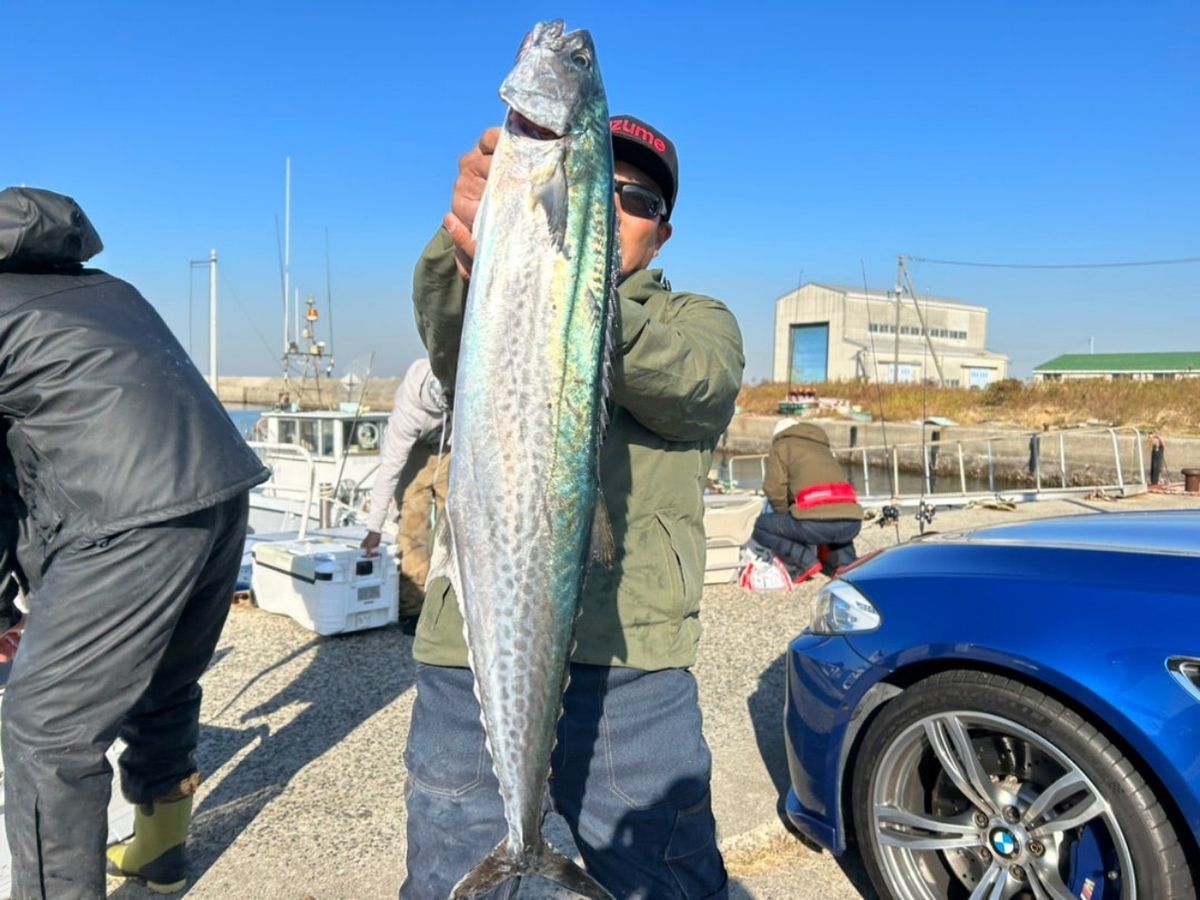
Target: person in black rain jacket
point(130, 515)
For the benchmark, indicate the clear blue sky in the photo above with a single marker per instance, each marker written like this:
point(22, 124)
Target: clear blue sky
point(815, 139)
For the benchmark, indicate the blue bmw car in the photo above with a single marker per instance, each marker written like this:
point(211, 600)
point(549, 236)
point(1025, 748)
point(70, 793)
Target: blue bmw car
point(1012, 712)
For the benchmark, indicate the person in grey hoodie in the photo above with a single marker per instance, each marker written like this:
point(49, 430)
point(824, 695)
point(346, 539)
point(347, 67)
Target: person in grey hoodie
point(131, 500)
point(414, 468)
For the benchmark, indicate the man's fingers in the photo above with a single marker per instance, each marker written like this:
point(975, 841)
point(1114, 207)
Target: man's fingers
point(473, 169)
point(488, 140)
point(460, 234)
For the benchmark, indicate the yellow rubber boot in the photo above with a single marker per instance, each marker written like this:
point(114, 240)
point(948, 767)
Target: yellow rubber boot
point(156, 852)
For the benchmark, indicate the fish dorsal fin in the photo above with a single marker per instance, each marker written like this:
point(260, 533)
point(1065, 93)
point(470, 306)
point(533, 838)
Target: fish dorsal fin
point(603, 546)
point(608, 353)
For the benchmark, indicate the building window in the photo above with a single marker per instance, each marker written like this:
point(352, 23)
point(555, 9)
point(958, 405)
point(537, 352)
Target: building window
point(977, 377)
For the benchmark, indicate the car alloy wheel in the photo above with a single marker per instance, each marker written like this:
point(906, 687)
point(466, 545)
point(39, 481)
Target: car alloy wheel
point(971, 785)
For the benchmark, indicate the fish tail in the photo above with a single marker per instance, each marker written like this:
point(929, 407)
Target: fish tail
point(553, 866)
point(498, 867)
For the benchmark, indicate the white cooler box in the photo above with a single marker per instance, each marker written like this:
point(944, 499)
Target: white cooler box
point(728, 523)
point(327, 585)
point(120, 812)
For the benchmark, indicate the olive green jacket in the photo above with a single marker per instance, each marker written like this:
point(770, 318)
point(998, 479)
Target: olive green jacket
point(800, 458)
point(677, 372)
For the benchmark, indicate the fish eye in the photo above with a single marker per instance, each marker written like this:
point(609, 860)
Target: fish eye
point(581, 59)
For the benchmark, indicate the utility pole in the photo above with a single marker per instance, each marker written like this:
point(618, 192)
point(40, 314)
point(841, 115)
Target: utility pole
point(211, 262)
point(212, 321)
point(903, 277)
point(896, 335)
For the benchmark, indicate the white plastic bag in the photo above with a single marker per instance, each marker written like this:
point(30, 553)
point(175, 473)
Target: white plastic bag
point(762, 570)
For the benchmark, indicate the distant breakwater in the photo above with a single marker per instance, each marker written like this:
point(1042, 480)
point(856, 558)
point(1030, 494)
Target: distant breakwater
point(255, 390)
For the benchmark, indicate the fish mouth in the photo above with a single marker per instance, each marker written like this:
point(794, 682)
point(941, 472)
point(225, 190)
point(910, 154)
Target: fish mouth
point(522, 126)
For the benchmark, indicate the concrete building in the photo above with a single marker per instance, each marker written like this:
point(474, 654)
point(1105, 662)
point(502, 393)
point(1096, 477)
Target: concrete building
point(1117, 366)
point(828, 332)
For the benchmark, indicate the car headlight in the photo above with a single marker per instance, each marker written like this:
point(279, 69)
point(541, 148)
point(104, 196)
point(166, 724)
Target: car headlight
point(842, 609)
point(1187, 672)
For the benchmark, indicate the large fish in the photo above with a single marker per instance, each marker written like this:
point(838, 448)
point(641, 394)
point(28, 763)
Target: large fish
point(523, 512)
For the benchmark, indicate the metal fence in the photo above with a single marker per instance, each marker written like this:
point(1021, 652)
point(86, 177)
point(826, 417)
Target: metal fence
point(956, 472)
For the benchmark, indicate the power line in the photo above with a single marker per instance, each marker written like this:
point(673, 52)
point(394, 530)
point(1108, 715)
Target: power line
point(246, 313)
point(1110, 265)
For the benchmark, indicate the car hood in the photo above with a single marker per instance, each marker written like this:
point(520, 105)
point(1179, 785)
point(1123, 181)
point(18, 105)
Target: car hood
point(1173, 531)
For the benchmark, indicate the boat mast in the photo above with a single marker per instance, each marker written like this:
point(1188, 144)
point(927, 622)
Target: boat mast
point(287, 251)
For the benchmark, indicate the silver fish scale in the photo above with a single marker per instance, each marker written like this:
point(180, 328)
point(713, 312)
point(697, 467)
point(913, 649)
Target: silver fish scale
point(523, 480)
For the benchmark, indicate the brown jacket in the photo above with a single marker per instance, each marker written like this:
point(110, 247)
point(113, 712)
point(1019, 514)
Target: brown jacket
point(800, 458)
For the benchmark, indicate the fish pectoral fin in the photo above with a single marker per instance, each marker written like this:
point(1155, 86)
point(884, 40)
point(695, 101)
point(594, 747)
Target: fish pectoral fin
point(496, 868)
point(603, 547)
point(442, 561)
point(551, 196)
point(555, 867)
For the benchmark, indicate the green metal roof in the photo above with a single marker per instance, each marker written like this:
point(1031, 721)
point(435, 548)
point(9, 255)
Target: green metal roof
point(1121, 362)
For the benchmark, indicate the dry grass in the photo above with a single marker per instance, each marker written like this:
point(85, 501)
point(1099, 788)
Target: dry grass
point(779, 850)
point(1172, 407)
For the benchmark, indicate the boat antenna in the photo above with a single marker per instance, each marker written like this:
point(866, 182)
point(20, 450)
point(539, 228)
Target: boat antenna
point(287, 252)
point(329, 302)
point(890, 513)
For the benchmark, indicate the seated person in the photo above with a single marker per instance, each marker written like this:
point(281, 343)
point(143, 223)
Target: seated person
point(815, 514)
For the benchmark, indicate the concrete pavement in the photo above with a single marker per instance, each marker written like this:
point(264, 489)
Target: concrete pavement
point(302, 740)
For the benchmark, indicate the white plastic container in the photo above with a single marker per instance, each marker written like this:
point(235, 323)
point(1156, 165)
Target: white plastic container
point(728, 523)
point(325, 584)
point(120, 811)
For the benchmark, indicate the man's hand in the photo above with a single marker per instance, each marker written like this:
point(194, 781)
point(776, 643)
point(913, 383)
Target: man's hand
point(473, 170)
point(371, 543)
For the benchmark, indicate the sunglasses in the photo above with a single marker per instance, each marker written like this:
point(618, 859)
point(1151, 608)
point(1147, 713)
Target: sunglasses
point(640, 201)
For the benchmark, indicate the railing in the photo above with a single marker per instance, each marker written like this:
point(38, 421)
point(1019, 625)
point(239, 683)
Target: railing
point(1023, 466)
point(300, 494)
point(303, 497)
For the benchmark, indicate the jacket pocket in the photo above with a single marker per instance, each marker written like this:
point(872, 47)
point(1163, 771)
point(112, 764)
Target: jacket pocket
point(684, 550)
point(44, 502)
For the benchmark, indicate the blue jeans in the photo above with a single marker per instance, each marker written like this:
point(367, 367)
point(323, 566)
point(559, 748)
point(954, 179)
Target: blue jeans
point(795, 541)
point(630, 774)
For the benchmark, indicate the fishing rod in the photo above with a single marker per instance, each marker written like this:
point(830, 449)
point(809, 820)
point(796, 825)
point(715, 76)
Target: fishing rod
point(889, 513)
point(925, 511)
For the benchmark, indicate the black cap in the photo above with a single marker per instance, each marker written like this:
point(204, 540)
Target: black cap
point(644, 146)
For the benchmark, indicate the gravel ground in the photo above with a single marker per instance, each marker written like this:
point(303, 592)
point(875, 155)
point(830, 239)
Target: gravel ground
point(302, 740)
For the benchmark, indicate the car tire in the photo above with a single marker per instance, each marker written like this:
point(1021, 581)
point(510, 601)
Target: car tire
point(1049, 802)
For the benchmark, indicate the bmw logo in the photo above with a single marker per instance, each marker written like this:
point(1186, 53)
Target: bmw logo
point(1004, 843)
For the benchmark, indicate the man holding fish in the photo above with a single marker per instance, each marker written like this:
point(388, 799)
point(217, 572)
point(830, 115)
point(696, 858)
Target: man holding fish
point(588, 398)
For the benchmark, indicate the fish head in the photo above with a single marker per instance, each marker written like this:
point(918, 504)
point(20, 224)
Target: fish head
point(554, 90)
